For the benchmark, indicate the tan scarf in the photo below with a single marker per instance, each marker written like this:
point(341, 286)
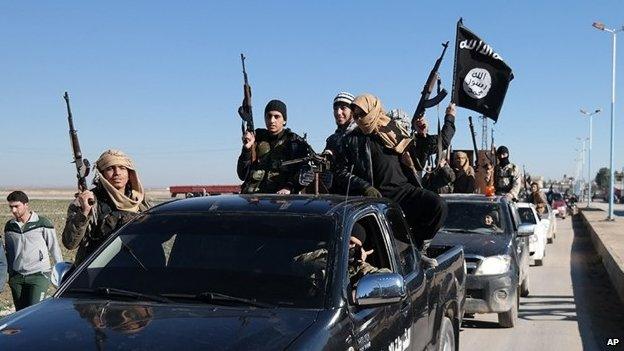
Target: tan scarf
point(393, 135)
point(119, 198)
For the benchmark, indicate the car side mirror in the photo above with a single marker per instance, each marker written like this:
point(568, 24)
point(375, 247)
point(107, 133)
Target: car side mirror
point(379, 289)
point(59, 271)
point(526, 229)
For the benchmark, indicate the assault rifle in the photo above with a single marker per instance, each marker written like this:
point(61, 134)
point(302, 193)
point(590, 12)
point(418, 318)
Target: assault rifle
point(83, 167)
point(474, 143)
point(425, 102)
point(244, 110)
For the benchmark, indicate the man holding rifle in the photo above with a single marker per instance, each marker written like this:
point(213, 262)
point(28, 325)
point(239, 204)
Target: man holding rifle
point(377, 163)
point(118, 197)
point(259, 164)
point(264, 150)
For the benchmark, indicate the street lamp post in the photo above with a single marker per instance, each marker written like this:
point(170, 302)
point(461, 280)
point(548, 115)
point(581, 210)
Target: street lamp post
point(601, 26)
point(589, 165)
point(581, 181)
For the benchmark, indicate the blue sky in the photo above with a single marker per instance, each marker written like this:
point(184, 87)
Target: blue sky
point(162, 80)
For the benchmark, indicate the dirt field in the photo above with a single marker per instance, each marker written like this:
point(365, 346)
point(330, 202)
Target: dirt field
point(53, 205)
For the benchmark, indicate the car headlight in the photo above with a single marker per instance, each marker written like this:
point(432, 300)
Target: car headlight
point(533, 238)
point(494, 265)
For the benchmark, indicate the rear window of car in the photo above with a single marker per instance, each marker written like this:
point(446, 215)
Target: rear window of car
point(526, 215)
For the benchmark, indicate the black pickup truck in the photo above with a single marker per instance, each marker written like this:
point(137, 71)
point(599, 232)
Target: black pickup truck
point(496, 250)
point(244, 272)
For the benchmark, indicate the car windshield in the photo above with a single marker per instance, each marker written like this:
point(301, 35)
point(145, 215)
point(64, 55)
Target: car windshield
point(474, 217)
point(526, 215)
point(256, 257)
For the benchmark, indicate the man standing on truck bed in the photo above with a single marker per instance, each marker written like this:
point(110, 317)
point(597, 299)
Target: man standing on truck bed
point(118, 197)
point(345, 124)
point(259, 164)
point(373, 167)
point(506, 175)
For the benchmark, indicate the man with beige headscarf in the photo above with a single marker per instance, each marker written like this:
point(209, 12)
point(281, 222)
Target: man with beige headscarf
point(118, 197)
point(377, 162)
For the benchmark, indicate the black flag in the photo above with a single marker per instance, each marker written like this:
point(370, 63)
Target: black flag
point(480, 76)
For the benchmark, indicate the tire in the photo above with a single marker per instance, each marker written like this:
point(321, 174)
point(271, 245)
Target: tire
point(510, 318)
point(539, 262)
point(550, 240)
point(446, 341)
point(524, 287)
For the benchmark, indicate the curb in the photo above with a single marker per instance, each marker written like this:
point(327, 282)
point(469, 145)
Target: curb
point(614, 269)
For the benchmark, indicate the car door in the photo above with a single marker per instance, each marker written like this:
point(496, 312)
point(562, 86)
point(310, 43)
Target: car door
point(386, 326)
point(413, 274)
point(521, 244)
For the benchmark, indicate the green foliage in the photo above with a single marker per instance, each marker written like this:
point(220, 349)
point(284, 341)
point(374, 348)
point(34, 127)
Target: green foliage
point(602, 178)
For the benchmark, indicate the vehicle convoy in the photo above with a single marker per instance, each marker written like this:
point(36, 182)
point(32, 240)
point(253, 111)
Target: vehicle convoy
point(253, 272)
point(496, 252)
point(549, 216)
point(539, 238)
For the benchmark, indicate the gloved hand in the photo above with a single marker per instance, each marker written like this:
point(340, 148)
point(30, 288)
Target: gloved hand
point(372, 192)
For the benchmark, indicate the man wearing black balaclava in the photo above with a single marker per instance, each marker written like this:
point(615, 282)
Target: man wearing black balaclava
point(506, 175)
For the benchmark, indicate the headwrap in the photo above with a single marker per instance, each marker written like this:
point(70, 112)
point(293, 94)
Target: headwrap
point(393, 135)
point(125, 201)
point(502, 150)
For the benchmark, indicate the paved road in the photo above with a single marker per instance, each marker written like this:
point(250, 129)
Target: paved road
point(571, 306)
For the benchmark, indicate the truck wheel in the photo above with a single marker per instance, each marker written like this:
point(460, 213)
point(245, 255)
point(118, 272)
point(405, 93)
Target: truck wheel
point(446, 342)
point(539, 262)
point(510, 318)
point(550, 240)
point(524, 287)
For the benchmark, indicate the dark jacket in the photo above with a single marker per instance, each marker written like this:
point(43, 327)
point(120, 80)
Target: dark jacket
point(356, 165)
point(426, 146)
point(334, 144)
point(88, 233)
point(265, 174)
point(464, 182)
point(440, 180)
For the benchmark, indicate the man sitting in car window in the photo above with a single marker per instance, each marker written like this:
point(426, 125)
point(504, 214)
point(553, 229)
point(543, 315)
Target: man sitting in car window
point(358, 267)
point(491, 221)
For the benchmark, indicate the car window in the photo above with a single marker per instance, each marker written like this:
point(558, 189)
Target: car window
point(375, 241)
point(280, 259)
point(474, 217)
point(526, 215)
point(404, 247)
